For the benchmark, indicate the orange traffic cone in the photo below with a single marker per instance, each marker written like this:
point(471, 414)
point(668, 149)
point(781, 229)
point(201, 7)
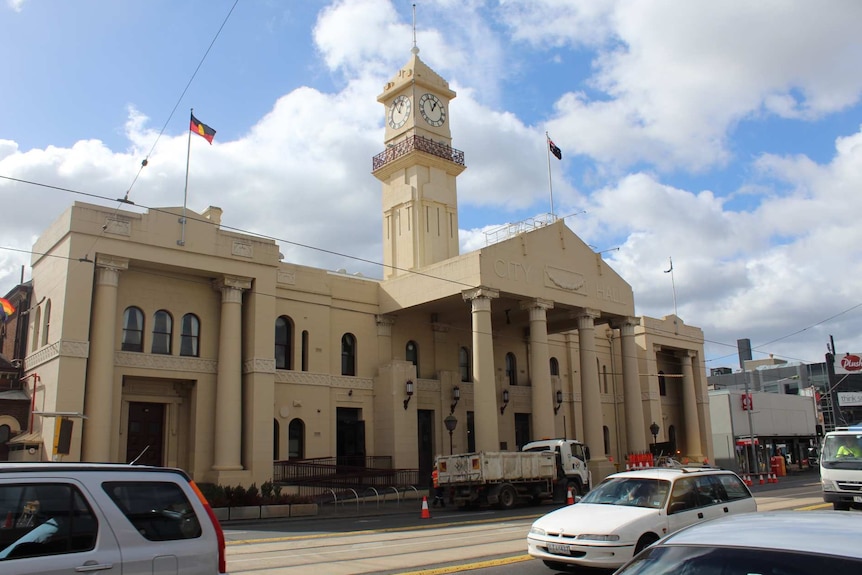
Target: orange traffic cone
point(747, 480)
point(570, 499)
point(760, 481)
point(8, 524)
point(774, 478)
point(426, 513)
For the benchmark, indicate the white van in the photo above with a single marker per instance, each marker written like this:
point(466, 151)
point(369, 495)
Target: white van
point(841, 467)
point(81, 517)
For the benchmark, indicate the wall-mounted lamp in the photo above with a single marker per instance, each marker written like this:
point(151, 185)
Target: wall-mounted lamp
point(505, 401)
point(456, 397)
point(559, 398)
point(408, 389)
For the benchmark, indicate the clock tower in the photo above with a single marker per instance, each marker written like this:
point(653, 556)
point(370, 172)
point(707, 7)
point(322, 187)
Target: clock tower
point(418, 170)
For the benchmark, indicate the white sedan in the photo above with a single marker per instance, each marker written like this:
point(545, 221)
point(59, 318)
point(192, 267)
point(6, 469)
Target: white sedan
point(631, 510)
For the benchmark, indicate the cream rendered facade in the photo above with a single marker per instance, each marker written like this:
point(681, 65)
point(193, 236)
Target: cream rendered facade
point(535, 314)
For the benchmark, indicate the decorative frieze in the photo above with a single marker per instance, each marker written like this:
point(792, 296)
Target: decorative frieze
point(258, 365)
point(165, 362)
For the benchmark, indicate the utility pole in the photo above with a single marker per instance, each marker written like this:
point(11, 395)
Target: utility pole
point(744, 348)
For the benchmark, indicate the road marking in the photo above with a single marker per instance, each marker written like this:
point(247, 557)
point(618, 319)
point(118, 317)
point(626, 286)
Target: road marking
point(470, 566)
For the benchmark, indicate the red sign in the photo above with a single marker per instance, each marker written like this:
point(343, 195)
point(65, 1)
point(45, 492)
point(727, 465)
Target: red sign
point(747, 402)
point(851, 363)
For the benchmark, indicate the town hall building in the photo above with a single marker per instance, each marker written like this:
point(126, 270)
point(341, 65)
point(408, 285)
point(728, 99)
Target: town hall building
point(213, 355)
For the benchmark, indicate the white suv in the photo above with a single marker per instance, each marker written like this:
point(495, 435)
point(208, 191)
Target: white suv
point(80, 517)
point(629, 511)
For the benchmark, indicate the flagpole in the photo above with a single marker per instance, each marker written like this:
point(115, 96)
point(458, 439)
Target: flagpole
point(182, 240)
point(672, 283)
point(550, 186)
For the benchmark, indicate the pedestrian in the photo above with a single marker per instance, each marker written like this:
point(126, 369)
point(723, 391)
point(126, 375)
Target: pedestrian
point(438, 490)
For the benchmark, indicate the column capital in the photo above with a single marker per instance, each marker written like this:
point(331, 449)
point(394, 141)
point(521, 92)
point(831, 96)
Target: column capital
point(627, 324)
point(384, 324)
point(686, 353)
point(537, 303)
point(586, 317)
point(231, 288)
point(480, 292)
point(112, 262)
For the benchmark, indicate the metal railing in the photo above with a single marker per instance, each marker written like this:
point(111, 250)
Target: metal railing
point(418, 143)
point(319, 478)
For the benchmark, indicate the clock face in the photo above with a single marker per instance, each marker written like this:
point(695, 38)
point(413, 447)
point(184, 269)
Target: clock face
point(399, 111)
point(432, 109)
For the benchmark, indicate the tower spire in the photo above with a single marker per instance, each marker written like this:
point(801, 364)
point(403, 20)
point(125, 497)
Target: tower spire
point(415, 48)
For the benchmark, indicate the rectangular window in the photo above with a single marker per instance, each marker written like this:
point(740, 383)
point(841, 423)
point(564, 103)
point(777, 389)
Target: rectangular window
point(159, 511)
point(44, 519)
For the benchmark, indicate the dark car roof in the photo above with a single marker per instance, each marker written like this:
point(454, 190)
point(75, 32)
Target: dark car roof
point(817, 532)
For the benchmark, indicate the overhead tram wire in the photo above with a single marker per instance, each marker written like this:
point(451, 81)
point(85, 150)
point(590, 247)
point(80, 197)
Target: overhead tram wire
point(125, 199)
point(356, 258)
point(145, 161)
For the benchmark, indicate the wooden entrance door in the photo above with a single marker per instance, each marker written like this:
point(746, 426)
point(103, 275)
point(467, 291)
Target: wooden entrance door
point(146, 433)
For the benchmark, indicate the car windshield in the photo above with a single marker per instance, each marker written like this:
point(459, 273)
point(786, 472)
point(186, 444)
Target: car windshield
point(843, 451)
point(631, 491)
point(695, 560)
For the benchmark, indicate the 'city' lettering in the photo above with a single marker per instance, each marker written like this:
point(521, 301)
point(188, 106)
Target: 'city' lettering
point(513, 270)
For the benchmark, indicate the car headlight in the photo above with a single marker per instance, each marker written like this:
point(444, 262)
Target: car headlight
point(537, 531)
point(828, 485)
point(597, 537)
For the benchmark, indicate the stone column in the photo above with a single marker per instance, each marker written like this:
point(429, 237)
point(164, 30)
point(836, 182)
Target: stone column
point(384, 339)
point(689, 404)
point(228, 408)
point(485, 400)
point(590, 393)
point(99, 394)
point(635, 426)
point(540, 369)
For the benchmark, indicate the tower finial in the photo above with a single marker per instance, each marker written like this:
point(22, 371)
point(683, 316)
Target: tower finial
point(415, 49)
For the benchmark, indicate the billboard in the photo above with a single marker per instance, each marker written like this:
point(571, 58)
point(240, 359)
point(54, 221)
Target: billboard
point(848, 363)
point(849, 398)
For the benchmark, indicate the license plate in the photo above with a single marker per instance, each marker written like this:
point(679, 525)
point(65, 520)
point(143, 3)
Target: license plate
point(558, 549)
point(857, 498)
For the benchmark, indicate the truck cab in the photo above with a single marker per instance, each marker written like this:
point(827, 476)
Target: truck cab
point(572, 457)
point(841, 467)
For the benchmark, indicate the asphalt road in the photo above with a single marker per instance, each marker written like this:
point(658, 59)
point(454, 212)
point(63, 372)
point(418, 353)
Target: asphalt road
point(396, 539)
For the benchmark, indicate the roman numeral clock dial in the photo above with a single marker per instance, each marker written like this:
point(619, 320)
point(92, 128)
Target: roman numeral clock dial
point(399, 111)
point(432, 110)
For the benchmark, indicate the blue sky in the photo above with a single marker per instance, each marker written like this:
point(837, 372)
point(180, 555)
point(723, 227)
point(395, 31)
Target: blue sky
point(725, 135)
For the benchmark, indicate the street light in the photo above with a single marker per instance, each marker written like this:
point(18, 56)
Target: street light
point(653, 428)
point(450, 421)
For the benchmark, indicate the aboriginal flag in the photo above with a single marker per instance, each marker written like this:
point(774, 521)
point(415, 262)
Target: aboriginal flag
point(202, 129)
point(554, 149)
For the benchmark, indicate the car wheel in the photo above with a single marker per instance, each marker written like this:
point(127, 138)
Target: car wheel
point(644, 542)
point(507, 497)
point(838, 506)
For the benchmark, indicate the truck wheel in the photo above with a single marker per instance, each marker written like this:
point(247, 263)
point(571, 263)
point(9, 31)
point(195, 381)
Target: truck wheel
point(507, 497)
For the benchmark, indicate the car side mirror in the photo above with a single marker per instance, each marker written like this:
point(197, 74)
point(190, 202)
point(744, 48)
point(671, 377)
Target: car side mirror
point(587, 452)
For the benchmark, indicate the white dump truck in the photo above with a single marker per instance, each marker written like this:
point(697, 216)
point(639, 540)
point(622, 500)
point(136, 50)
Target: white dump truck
point(542, 470)
point(841, 467)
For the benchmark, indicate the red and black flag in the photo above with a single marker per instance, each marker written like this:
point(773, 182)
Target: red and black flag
point(554, 149)
point(202, 129)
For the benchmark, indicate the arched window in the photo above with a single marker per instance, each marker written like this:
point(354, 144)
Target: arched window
point(37, 325)
point(662, 385)
point(511, 369)
point(162, 331)
point(275, 431)
point(555, 366)
point(190, 336)
point(133, 330)
point(606, 435)
point(464, 364)
point(411, 353)
point(296, 439)
point(283, 343)
point(348, 354)
point(305, 350)
point(46, 322)
point(671, 437)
